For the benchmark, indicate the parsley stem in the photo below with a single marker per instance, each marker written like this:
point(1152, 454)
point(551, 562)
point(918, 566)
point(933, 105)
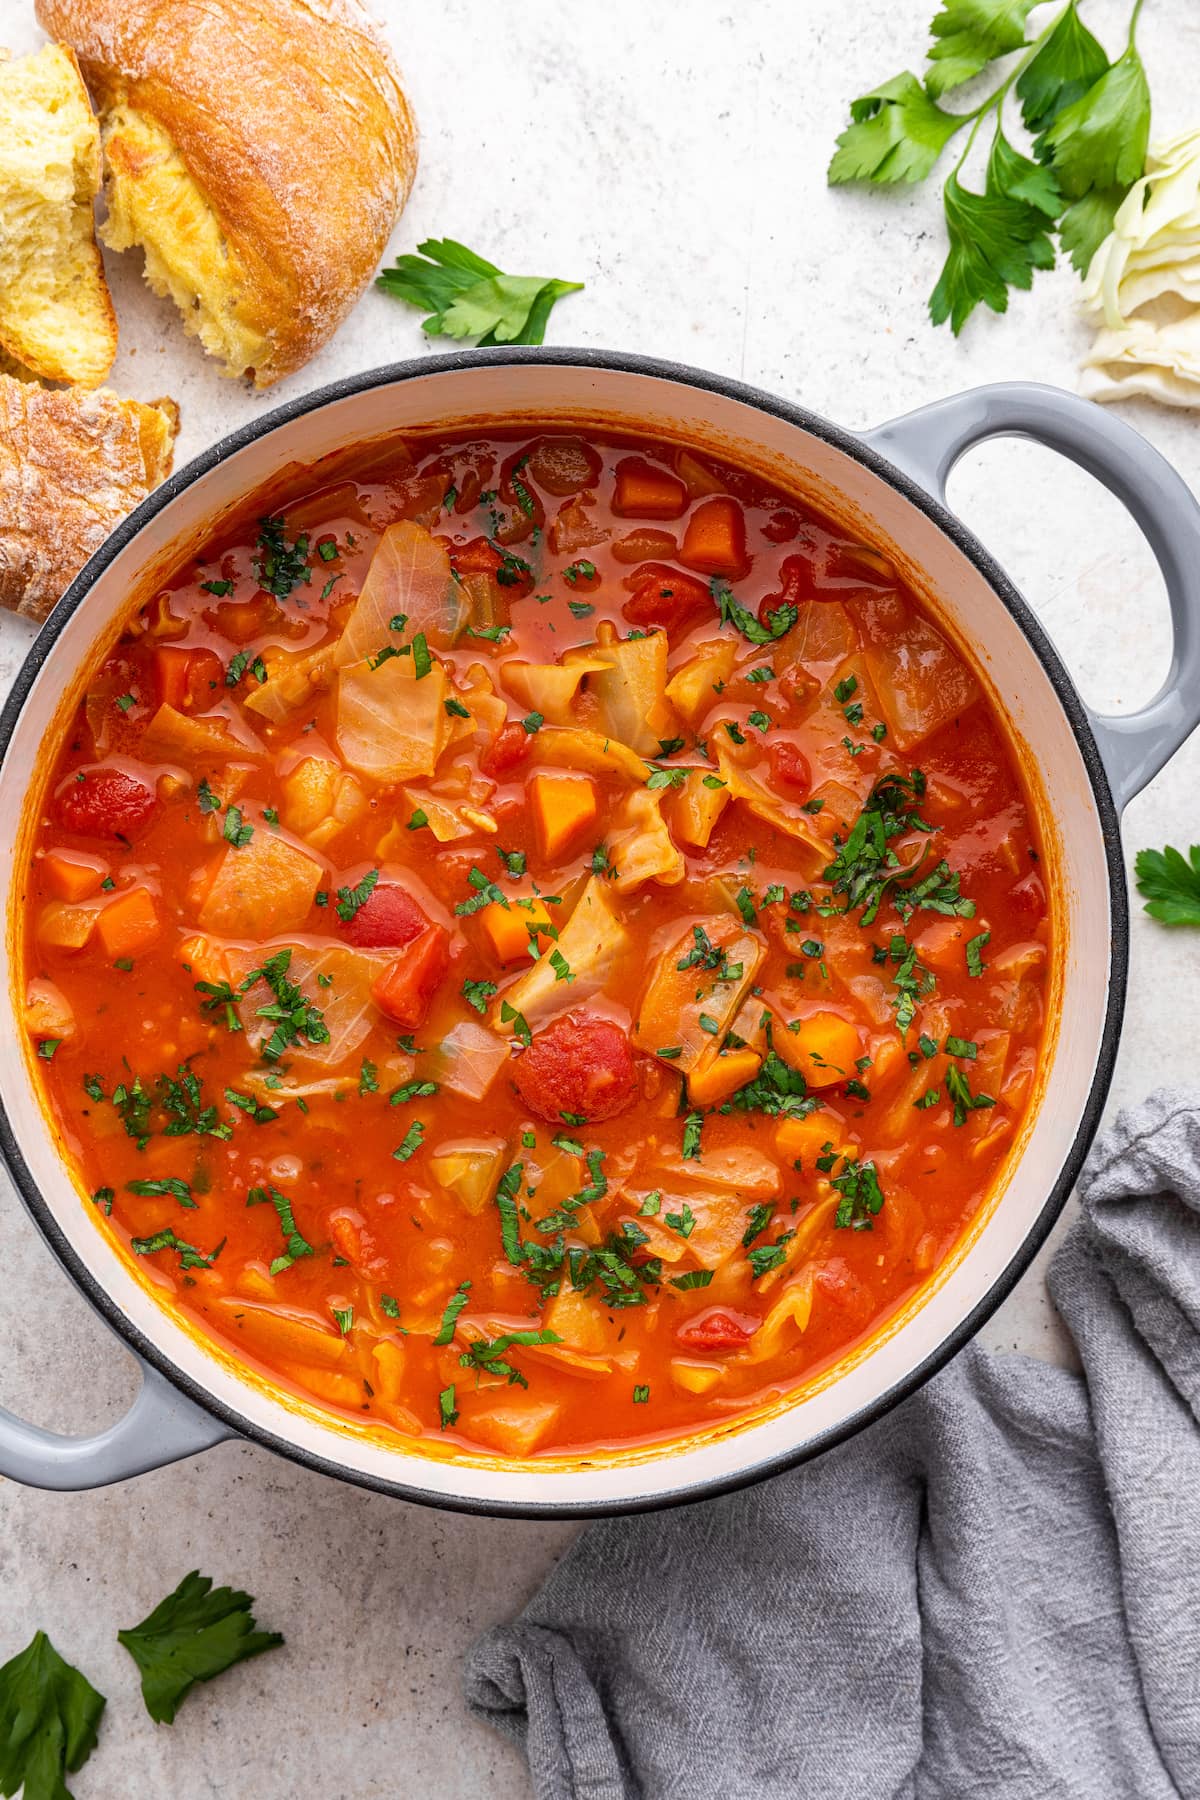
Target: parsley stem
point(1133, 20)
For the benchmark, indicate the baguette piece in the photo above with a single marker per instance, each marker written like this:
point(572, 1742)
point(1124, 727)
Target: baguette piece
point(259, 154)
point(72, 464)
point(56, 315)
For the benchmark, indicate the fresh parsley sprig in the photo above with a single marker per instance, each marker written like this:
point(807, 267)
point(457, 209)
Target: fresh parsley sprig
point(197, 1632)
point(1089, 119)
point(468, 297)
point(1169, 883)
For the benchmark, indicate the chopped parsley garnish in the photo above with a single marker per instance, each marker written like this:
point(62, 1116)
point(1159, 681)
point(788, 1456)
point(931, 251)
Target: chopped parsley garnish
point(975, 946)
point(235, 831)
point(695, 1278)
point(293, 1017)
point(280, 566)
point(488, 1356)
point(510, 1016)
point(960, 1093)
point(862, 1196)
point(350, 899)
point(692, 1127)
point(446, 1409)
point(515, 861)
point(581, 570)
point(478, 993)
point(454, 1307)
point(368, 1079)
point(412, 1090)
point(219, 588)
point(411, 1142)
point(296, 1245)
point(641, 1394)
point(168, 1186)
point(189, 1256)
point(485, 892)
point(343, 1318)
point(779, 621)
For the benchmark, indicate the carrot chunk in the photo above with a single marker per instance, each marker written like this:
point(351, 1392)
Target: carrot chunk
point(562, 806)
point(129, 923)
point(646, 492)
point(715, 539)
point(73, 874)
point(824, 1049)
point(723, 1076)
point(507, 928)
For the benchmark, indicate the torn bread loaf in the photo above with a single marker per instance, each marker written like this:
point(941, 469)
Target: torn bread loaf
point(259, 155)
point(72, 465)
point(56, 317)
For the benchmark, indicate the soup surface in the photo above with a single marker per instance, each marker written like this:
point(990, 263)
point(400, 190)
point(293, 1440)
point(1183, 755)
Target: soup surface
point(540, 944)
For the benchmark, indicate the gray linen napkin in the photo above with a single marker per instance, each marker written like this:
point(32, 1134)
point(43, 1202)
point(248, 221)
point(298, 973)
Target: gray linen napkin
point(994, 1591)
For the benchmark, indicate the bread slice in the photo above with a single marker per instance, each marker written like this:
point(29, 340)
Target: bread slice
point(56, 316)
point(258, 154)
point(72, 465)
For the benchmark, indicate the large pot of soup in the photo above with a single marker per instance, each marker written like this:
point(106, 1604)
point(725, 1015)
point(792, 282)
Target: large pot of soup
point(566, 924)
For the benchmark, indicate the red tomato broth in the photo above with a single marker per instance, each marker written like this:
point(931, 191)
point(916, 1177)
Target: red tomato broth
point(349, 1322)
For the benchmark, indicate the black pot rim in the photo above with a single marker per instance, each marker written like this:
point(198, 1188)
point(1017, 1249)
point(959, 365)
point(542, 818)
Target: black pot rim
point(853, 447)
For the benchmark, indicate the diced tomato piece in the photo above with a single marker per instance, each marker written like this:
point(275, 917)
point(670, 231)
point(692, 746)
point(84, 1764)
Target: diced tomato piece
point(789, 766)
point(387, 919)
point(715, 539)
point(506, 752)
point(405, 990)
point(646, 492)
point(187, 678)
point(718, 1330)
point(580, 1065)
point(105, 802)
point(476, 557)
point(667, 598)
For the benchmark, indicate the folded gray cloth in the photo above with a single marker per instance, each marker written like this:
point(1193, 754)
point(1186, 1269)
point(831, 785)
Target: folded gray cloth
point(994, 1591)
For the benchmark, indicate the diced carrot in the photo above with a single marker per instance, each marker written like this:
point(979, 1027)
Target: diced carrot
point(64, 926)
point(73, 874)
point(508, 928)
point(407, 986)
point(129, 923)
point(941, 944)
point(824, 1049)
point(186, 678)
point(723, 1076)
point(802, 1140)
point(715, 539)
point(646, 492)
point(243, 620)
point(562, 806)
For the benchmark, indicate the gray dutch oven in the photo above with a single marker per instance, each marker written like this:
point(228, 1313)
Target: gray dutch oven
point(890, 485)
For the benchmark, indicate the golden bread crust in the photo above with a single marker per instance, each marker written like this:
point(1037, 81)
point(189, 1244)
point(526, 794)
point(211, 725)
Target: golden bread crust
point(72, 465)
point(284, 122)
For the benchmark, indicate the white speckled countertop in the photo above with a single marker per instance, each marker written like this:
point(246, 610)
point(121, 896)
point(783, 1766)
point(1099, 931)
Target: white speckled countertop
point(671, 156)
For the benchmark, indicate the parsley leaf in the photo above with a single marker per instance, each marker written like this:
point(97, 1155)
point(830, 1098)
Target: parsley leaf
point(467, 296)
point(896, 133)
point(49, 1718)
point(197, 1632)
point(1069, 62)
point(996, 242)
point(1169, 884)
point(969, 34)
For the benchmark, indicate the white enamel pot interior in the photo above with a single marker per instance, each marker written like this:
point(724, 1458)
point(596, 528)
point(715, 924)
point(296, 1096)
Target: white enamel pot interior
point(205, 1396)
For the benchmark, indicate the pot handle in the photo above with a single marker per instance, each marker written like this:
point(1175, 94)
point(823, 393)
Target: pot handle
point(927, 443)
point(159, 1428)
